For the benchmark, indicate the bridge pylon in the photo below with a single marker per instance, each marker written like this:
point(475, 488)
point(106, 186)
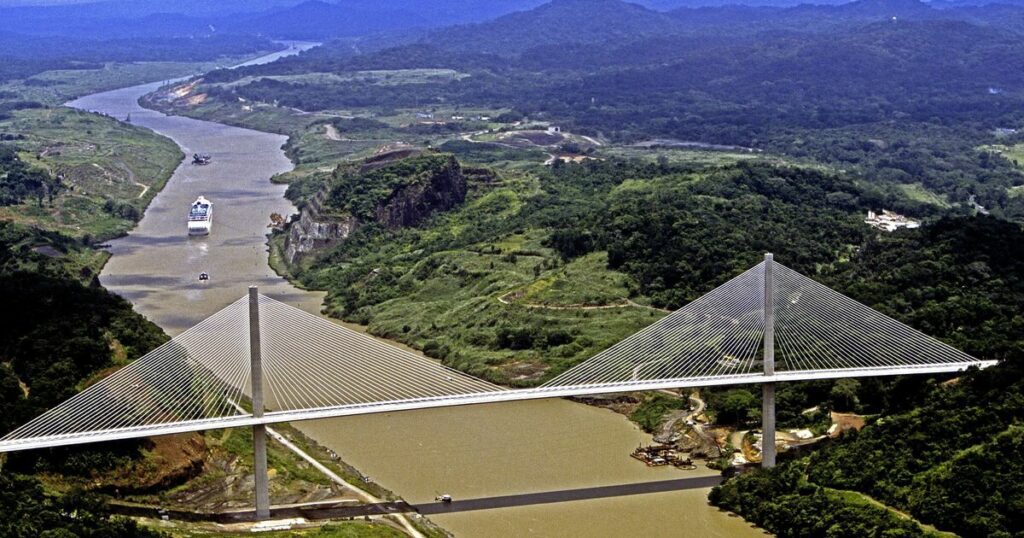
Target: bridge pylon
point(768, 388)
point(261, 477)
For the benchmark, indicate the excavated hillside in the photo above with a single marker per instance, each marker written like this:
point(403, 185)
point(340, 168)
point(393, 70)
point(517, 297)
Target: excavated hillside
point(393, 191)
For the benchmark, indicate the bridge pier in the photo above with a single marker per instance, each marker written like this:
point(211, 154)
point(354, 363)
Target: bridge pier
point(768, 425)
point(259, 469)
point(259, 431)
point(768, 389)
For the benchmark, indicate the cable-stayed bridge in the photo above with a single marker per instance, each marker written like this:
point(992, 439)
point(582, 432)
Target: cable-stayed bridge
point(259, 362)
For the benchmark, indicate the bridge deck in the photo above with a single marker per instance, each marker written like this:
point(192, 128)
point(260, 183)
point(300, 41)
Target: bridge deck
point(275, 417)
point(310, 368)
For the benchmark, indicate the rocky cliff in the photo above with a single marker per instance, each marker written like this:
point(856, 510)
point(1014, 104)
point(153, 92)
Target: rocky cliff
point(413, 203)
point(399, 193)
point(313, 230)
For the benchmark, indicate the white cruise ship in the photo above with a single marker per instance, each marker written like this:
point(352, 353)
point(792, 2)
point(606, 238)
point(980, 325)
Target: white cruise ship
point(200, 217)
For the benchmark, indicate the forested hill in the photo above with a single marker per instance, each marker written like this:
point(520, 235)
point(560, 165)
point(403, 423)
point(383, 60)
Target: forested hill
point(560, 21)
point(955, 459)
point(583, 233)
point(502, 26)
point(609, 21)
point(658, 234)
point(910, 102)
point(66, 329)
point(874, 73)
point(61, 331)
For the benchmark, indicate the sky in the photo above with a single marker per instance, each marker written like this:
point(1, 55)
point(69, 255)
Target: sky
point(8, 3)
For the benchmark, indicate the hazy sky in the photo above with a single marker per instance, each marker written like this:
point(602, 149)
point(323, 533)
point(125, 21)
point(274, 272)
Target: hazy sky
point(41, 2)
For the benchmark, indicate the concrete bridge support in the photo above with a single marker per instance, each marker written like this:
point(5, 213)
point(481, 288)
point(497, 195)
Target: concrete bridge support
point(259, 431)
point(768, 425)
point(768, 389)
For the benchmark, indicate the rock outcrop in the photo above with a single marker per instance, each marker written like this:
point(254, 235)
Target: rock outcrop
point(313, 230)
point(438, 186)
point(412, 204)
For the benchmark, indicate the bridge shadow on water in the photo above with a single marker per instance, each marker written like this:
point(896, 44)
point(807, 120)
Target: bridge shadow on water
point(567, 495)
point(509, 501)
point(321, 511)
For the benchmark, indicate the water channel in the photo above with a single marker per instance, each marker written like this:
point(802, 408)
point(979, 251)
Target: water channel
point(537, 468)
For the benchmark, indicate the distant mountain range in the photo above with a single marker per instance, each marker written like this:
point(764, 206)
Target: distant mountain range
point(560, 23)
point(289, 19)
point(503, 27)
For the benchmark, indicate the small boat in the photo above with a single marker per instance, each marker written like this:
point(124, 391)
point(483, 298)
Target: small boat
point(445, 498)
point(200, 217)
point(201, 158)
point(128, 118)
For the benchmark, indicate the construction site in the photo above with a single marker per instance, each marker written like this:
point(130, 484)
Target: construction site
point(688, 435)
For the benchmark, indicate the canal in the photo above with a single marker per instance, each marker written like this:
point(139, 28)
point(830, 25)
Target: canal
point(537, 468)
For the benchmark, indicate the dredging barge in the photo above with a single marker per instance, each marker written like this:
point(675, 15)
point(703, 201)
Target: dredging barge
point(661, 455)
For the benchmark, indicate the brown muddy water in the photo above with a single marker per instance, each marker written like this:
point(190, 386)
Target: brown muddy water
point(536, 468)
point(157, 265)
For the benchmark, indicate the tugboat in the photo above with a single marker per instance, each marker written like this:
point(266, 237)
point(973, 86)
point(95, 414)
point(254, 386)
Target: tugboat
point(200, 217)
point(201, 158)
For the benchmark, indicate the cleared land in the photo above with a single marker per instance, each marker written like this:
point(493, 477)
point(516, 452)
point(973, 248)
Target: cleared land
point(919, 193)
point(111, 170)
point(55, 87)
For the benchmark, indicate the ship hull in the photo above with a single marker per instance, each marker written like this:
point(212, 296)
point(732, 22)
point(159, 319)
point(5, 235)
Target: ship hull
point(200, 217)
point(199, 230)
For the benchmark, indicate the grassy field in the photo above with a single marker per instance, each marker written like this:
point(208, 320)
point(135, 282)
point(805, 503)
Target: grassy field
point(919, 193)
point(100, 159)
point(459, 317)
point(1014, 153)
point(457, 304)
point(585, 281)
point(703, 157)
point(394, 77)
point(680, 156)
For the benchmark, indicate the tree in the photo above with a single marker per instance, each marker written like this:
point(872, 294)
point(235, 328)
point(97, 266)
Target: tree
point(843, 396)
point(735, 406)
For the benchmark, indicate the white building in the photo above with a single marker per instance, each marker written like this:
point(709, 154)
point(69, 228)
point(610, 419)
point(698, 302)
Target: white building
point(890, 221)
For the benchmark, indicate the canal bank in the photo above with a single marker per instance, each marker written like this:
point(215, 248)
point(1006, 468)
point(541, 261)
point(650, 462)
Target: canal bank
point(525, 451)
